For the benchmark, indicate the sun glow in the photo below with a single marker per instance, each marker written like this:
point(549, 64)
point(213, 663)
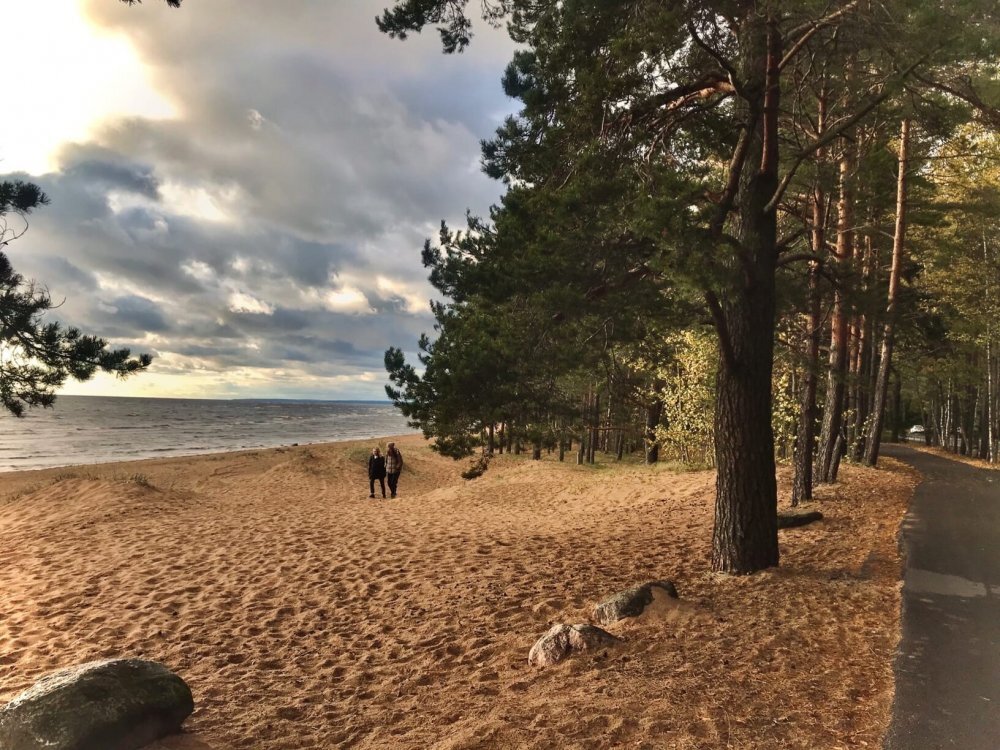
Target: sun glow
point(174, 376)
point(67, 78)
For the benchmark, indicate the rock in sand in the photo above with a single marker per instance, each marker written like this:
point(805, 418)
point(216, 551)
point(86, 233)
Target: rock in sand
point(562, 640)
point(633, 602)
point(120, 704)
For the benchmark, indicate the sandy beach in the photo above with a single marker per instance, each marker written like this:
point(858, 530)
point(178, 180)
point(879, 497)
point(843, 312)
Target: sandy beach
point(305, 615)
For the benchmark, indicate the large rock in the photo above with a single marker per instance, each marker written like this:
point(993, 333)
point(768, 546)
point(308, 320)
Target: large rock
point(562, 640)
point(105, 705)
point(791, 519)
point(634, 602)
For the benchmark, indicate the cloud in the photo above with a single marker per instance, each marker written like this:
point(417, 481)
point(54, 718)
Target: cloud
point(241, 302)
point(273, 223)
point(110, 172)
point(133, 316)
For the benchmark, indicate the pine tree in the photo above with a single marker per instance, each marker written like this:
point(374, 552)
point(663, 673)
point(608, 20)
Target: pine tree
point(36, 358)
point(655, 139)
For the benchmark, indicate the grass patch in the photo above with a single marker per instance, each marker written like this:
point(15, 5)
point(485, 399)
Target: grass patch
point(677, 466)
point(140, 479)
point(360, 453)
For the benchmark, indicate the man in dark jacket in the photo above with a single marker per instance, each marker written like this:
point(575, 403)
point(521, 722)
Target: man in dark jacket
point(393, 465)
point(376, 470)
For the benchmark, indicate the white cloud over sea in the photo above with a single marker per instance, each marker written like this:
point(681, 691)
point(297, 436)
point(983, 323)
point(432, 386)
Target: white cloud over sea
point(255, 220)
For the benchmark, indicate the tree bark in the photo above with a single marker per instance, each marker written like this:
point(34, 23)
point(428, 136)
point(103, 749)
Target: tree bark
point(852, 393)
point(805, 438)
point(827, 459)
point(594, 417)
point(865, 369)
point(745, 536)
point(874, 440)
point(653, 414)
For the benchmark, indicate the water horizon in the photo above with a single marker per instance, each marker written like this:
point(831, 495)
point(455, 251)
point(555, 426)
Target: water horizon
point(85, 430)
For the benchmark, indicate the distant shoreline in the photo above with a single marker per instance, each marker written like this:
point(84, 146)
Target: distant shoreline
point(87, 430)
point(379, 439)
point(262, 399)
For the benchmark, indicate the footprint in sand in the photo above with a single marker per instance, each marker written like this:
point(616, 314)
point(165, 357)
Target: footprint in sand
point(290, 713)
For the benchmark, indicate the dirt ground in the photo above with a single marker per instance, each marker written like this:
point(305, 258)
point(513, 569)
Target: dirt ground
point(305, 615)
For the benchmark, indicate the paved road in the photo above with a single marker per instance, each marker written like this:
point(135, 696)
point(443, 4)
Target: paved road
point(948, 665)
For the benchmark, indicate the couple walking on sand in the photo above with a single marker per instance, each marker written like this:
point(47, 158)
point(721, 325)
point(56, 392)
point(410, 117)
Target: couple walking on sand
point(385, 467)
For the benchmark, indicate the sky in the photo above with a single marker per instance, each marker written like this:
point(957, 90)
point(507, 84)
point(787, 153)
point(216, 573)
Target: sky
point(241, 188)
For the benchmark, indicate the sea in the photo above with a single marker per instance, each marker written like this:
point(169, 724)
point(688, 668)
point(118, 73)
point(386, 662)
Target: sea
point(98, 429)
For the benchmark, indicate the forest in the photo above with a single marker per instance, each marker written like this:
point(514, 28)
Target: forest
point(733, 233)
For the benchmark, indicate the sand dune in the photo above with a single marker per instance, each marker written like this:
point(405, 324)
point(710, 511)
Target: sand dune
point(305, 615)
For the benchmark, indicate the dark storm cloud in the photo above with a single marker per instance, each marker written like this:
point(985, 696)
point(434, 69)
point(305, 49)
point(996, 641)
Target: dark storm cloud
point(63, 274)
point(276, 221)
point(105, 170)
point(136, 315)
point(280, 321)
point(383, 304)
point(311, 349)
point(311, 263)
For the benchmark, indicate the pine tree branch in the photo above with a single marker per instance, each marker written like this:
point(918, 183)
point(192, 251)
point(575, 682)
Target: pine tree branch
point(683, 94)
point(970, 97)
point(725, 64)
point(795, 257)
point(733, 181)
point(725, 340)
point(784, 242)
point(810, 27)
point(839, 129)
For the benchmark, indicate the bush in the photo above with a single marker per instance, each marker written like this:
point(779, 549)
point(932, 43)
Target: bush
point(477, 468)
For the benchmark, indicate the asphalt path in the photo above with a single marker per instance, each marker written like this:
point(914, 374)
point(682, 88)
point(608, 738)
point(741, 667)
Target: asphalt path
point(948, 664)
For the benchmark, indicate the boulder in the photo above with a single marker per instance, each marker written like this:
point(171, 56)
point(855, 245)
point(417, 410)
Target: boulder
point(119, 704)
point(562, 640)
point(633, 602)
point(791, 519)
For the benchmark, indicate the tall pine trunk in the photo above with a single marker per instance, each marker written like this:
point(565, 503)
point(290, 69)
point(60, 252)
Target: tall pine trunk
point(874, 440)
point(827, 458)
point(745, 536)
point(866, 366)
point(654, 412)
point(805, 439)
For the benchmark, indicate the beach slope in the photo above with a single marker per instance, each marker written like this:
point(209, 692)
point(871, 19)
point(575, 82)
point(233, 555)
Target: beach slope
point(305, 615)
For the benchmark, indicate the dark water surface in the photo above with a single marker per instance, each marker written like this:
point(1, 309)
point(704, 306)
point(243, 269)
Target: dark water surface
point(96, 429)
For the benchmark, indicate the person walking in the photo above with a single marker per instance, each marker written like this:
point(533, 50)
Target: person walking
point(393, 465)
point(376, 470)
